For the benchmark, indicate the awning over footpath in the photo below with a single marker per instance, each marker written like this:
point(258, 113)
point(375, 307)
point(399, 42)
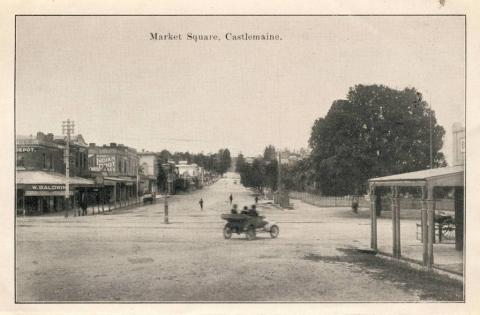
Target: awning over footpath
point(443, 176)
point(49, 178)
point(125, 180)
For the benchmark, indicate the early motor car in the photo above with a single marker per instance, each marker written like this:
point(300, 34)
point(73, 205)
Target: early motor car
point(248, 224)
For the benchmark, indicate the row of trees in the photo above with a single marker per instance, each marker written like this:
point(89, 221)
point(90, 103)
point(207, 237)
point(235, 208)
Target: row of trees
point(376, 131)
point(262, 172)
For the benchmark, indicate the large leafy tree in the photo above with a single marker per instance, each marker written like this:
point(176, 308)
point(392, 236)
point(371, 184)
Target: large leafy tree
point(376, 131)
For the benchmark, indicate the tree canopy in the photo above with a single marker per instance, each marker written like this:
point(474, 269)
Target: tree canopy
point(376, 131)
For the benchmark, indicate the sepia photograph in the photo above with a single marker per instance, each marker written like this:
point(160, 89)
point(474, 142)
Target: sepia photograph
point(240, 158)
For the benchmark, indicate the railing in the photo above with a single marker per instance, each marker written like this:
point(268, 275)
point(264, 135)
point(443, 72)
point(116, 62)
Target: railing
point(346, 201)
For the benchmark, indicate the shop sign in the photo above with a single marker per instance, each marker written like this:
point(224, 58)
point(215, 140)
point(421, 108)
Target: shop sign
point(105, 161)
point(26, 149)
point(45, 187)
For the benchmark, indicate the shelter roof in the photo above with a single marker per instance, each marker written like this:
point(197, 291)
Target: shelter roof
point(442, 176)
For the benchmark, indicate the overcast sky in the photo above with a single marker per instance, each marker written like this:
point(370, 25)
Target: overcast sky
point(119, 86)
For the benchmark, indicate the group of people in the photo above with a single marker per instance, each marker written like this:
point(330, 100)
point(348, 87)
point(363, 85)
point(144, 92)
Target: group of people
point(252, 211)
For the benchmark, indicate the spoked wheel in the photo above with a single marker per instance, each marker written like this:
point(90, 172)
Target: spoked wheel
point(251, 234)
point(227, 232)
point(274, 231)
point(448, 232)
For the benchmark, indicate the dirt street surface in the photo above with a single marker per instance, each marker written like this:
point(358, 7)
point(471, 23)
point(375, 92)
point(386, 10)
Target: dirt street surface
point(131, 255)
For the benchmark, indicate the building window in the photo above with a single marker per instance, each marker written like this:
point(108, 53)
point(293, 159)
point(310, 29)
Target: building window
point(44, 160)
point(20, 161)
point(51, 161)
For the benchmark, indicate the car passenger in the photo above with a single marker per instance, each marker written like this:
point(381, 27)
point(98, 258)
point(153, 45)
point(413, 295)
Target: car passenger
point(253, 211)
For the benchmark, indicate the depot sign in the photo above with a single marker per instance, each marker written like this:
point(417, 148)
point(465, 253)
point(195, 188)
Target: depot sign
point(46, 187)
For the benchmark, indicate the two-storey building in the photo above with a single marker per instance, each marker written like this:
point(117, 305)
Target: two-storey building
point(40, 172)
point(115, 168)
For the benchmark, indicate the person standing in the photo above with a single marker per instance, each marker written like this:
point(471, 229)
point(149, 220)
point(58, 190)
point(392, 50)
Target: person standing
point(256, 199)
point(201, 204)
point(231, 198)
point(84, 204)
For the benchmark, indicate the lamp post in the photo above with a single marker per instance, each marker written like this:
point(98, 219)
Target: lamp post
point(168, 180)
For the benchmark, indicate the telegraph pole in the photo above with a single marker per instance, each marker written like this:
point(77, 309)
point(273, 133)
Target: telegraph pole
point(431, 140)
point(279, 176)
point(67, 129)
point(168, 180)
point(137, 166)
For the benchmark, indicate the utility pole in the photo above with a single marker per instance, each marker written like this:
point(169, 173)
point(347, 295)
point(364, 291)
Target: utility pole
point(168, 179)
point(137, 166)
point(431, 140)
point(279, 176)
point(67, 129)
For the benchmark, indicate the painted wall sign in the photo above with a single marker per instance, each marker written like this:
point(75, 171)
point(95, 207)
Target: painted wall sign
point(105, 161)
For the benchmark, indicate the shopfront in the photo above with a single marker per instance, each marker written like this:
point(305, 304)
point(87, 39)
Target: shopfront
point(40, 192)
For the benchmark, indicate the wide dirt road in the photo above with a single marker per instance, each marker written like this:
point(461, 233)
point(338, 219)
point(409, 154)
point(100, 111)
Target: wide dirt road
point(131, 255)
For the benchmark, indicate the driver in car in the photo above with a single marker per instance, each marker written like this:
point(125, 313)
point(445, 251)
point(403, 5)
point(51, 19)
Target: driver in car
point(253, 211)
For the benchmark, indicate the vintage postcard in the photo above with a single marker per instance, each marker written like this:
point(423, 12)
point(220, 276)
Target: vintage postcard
point(226, 162)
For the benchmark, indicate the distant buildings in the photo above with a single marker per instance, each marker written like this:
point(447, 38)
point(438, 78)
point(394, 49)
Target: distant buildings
point(191, 175)
point(458, 144)
point(149, 170)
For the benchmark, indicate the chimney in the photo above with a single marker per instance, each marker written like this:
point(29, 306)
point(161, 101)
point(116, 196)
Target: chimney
point(91, 144)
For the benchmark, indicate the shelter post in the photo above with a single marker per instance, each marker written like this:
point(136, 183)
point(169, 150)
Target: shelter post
point(394, 221)
point(459, 217)
point(431, 225)
point(424, 219)
point(397, 222)
point(373, 216)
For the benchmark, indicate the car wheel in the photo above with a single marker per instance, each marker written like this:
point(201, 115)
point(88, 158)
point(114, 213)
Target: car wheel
point(274, 231)
point(227, 232)
point(251, 233)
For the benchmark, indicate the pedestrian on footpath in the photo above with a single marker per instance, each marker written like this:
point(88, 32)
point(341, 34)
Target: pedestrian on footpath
point(84, 204)
point(201, 204)
point(231, 198)
point(256, 199)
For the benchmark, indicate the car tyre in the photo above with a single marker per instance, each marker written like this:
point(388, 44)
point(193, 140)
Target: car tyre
point(274, 231)
point(227, 232)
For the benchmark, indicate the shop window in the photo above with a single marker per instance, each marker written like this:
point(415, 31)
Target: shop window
point(20, 161)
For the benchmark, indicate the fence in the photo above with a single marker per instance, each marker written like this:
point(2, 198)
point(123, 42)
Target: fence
point(346, 201)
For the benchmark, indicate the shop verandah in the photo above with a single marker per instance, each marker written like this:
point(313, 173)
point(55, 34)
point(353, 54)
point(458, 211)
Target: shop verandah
point(40, 192)
point(421, 235)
